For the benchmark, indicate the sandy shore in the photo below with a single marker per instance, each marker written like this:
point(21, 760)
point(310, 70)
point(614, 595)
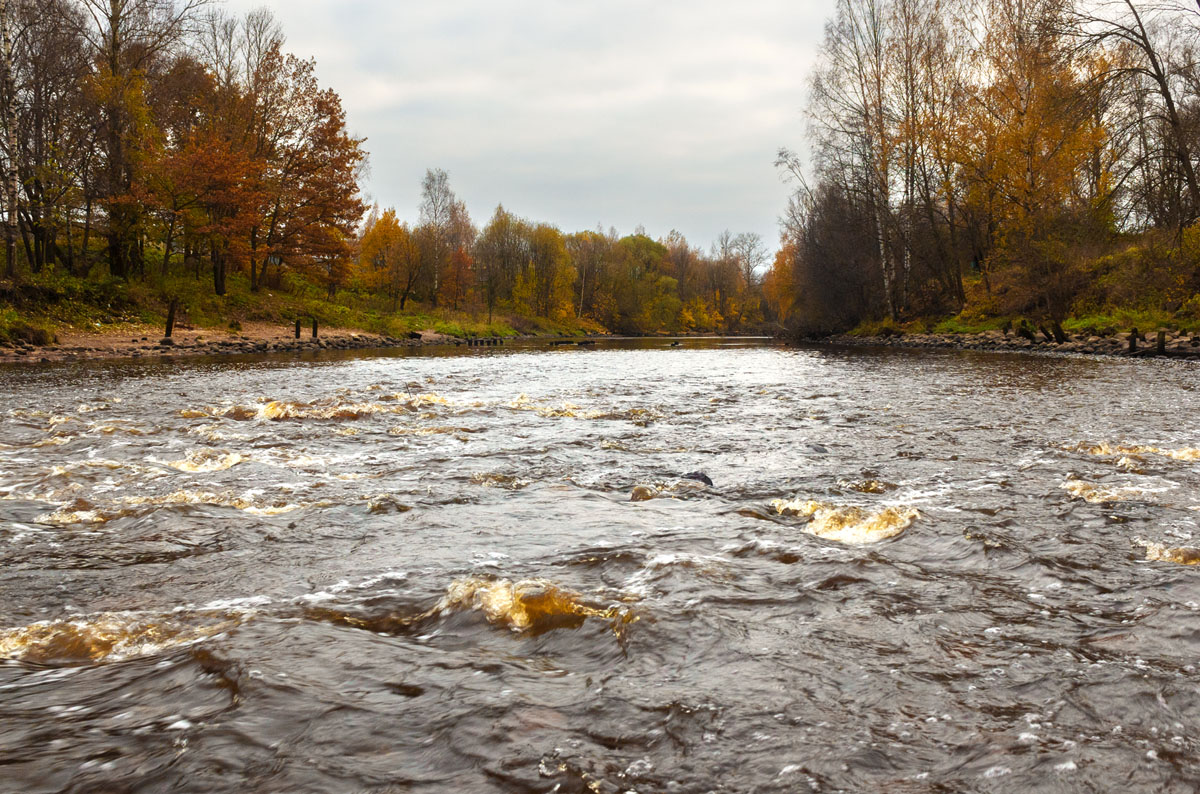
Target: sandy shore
point(1178, 344)
point(134, 342)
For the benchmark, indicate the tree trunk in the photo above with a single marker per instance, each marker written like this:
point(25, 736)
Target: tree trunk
point(167, 242)
point(87, 235)
point(254, 275)
point(171, 318)
point(217, 255)
point(10, 142)
point(70, 261)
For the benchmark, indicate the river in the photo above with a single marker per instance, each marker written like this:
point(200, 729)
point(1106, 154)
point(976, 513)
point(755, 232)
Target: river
point(487, 570)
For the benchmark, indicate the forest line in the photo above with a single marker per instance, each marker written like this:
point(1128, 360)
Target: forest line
point(997, 161)
point(159, 142)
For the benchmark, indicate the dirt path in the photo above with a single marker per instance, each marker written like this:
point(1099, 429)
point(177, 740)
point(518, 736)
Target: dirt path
point(143, 341)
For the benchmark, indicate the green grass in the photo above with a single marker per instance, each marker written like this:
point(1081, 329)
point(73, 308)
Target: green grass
point(52, 303)
point(1117, 320)
point(1097, 324)
point(884, 327)
point(961, 324)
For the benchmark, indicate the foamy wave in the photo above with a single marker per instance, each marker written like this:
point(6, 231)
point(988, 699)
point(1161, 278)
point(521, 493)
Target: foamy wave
point(568, 410)
point(208, 460)
point(429, 431)
point(674, 490)
point(331, 408)
point(1160, 552)
point(1099, 494)
point(867, 486)
point(494, 479)
point(847, 523)
point(1106, 449)
point(533, 605)
point(107, 637)
point(81, 511)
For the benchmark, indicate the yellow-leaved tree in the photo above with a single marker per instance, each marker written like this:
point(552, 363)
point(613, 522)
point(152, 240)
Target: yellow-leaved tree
point(1028, 144)
point(389, 258)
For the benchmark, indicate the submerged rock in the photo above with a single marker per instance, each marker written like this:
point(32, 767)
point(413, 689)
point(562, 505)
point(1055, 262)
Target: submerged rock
point(643, 493)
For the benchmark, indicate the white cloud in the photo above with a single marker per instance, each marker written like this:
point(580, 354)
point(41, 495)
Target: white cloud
point(622, 112)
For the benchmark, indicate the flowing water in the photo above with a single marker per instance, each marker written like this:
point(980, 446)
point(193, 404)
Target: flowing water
point(487, 571)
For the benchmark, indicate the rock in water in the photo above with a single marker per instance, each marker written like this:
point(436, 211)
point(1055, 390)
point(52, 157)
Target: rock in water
point(643, 493)
point(698, 476)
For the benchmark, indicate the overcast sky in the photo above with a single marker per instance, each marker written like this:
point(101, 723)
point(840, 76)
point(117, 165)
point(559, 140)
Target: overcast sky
point(664, 113)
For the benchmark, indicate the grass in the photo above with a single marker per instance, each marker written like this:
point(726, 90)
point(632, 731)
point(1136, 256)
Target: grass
point(1116, 320)
point(46, 304)
point(1094, 324)
point(966, 324)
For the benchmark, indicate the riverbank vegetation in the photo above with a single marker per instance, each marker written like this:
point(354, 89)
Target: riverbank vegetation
point(978, 164)
point(163, 150)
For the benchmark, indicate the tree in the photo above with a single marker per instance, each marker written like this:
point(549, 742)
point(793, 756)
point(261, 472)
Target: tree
point(436, 215)
point(550, 274)
point(500, 252)
point(1033, 135)
point(185, 103)
point(309, 167)
point(1143, 33)
point(125, 38)
point(8, 98)
point(590, 252)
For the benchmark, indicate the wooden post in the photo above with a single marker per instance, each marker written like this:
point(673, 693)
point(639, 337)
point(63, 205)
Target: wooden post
point(1161, 343)
point(1133, 340)
point(314, 328)
point(171, 318)
point(297, 329)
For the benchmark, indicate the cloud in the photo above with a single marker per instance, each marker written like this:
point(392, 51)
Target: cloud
point(623, 112)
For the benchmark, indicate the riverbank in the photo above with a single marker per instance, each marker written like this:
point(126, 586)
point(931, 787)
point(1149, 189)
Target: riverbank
point(1176, 344)
point(145, 341)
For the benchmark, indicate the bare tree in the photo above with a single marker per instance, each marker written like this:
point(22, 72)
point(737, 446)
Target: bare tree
point(1143, 31)
point(437, 214)
point(751, 254)
point(8, 87)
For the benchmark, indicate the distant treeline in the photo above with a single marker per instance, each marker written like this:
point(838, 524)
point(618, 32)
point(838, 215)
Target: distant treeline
point(155, 139)
point(1006, 157)
point(629, 284)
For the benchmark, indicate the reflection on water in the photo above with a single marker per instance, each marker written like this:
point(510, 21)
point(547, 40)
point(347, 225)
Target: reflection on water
point(505, 570)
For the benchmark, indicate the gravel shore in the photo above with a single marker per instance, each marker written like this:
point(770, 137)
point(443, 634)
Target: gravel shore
point(254, 339)
point(1176, 344)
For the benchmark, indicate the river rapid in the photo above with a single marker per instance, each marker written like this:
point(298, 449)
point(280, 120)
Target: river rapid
point(487, 570)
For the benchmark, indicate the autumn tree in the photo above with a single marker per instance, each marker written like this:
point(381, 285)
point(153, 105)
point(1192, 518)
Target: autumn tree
point(549, 274)
point(1032, 136)
point(390, 258)
point(590, 252)
point(125, 39)
point(501, 250)
point(308, 167)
